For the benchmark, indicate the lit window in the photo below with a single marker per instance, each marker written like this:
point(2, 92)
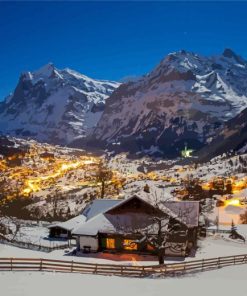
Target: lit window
point(129, 244)
point(150, 247)
point(110, 243)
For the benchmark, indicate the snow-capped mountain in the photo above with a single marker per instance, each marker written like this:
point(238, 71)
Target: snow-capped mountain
point(186, 98)
point(55, 106)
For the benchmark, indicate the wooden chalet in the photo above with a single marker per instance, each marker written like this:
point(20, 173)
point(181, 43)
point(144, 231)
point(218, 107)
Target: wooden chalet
point(120, 227)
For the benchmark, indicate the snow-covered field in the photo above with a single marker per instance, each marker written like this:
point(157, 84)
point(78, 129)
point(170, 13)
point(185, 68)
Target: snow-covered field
point(212, 246)
point(32, 232)
point(226, 281)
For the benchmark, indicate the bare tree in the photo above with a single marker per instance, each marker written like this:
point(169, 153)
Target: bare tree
point(162, 230)
point(103, 175)
point(17, 224)
point(159, 234)
point(9, 227)
point(53, 200)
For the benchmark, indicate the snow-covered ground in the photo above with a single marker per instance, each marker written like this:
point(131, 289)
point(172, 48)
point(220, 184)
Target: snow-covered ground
point(227, 214)
point(211, 247)
point(32, 232)
point(226, 281)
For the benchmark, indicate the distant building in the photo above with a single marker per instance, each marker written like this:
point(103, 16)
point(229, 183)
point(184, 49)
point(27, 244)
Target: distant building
point(47, 155)
point(187, 152)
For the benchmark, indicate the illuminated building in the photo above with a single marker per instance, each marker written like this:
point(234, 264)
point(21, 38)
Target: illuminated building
point(186, 152)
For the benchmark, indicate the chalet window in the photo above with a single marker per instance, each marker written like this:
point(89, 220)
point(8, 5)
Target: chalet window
point(129, 244)
point(110, 243)
point(150, 247)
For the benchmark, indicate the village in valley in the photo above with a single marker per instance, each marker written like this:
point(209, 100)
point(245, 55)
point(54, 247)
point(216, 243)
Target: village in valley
point(115, 215)
point(64, 203)
point(67, 210)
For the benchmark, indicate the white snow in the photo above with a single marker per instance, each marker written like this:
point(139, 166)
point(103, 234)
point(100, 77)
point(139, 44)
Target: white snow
point(227, 281)
point(211, 247)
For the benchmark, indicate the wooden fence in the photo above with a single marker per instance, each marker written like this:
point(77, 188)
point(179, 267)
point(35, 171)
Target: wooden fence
point(36, 264)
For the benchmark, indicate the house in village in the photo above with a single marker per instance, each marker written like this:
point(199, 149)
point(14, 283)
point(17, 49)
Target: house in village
point(118, 225)
point(64, 230)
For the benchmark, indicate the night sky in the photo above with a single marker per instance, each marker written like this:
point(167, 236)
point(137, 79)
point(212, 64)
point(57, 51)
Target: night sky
point(113, 40)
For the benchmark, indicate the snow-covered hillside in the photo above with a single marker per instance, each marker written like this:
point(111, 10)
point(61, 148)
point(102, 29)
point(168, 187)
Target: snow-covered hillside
point(232, 137)
point(184, 99)
point(55, 106)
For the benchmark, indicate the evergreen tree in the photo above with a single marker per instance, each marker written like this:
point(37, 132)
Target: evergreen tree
point(233, 228)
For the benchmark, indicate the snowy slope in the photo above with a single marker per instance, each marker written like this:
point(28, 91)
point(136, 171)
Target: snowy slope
point(184, 99)
point(52, 105)
point(232, 137)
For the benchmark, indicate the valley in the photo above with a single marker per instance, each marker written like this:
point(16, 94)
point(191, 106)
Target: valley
point(53, 180)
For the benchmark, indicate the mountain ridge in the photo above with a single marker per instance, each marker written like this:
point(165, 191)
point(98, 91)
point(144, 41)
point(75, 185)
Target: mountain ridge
point(54, 105)
point(184, 99)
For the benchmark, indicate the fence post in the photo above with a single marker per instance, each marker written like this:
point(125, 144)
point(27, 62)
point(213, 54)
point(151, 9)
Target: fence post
point(121, 270)
point(95, 270)
point(165, 271)
point(202, 264)
point(11, 262)
point(143, 271)
point(40, 266)
point(234, 260)
point(72, 266)
point(219, 262)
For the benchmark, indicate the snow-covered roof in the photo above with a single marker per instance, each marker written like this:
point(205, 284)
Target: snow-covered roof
point(70, 224)
point(185, 212)
point(99, 206)
point(95, 208)
point(93, 226)
point(107, 223)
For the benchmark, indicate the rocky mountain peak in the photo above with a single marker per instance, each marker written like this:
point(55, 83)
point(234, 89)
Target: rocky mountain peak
point(185, 98)
point(53, 105)
point(45, 70)
point(230, 54)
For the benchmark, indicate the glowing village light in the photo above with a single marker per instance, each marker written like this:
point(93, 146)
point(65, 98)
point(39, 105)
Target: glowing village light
point(186, 152)
point(34, 185)
point(232, 202)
